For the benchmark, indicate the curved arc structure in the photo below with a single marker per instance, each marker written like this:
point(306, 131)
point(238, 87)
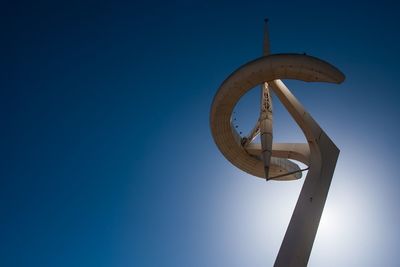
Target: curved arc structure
point(264, 69)
point(320, 154)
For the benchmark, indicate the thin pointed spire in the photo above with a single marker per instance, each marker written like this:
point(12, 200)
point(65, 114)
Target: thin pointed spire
point(266, 48)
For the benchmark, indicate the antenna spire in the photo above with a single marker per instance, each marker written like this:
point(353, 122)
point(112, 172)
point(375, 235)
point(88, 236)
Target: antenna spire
point(266, 48)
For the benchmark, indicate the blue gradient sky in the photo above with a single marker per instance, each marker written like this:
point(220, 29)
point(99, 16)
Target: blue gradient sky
point(106, 153)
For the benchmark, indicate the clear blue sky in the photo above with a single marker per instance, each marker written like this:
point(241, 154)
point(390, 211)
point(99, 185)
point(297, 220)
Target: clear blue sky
point(106, 153)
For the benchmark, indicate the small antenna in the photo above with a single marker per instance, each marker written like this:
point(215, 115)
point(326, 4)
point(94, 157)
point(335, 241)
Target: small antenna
point(266, 48)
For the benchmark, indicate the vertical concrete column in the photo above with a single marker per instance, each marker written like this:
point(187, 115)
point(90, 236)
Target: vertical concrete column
point(266, 127)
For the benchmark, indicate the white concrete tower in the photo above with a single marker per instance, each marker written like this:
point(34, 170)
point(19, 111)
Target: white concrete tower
point(272, 161)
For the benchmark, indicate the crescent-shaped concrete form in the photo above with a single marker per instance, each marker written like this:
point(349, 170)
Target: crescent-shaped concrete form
point(264, 69)
point(273, 161)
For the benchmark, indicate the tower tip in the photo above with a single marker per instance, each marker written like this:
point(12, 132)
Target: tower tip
point(266, 50)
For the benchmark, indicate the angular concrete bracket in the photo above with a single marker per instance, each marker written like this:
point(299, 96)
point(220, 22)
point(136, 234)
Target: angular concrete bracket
point(300, 234)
